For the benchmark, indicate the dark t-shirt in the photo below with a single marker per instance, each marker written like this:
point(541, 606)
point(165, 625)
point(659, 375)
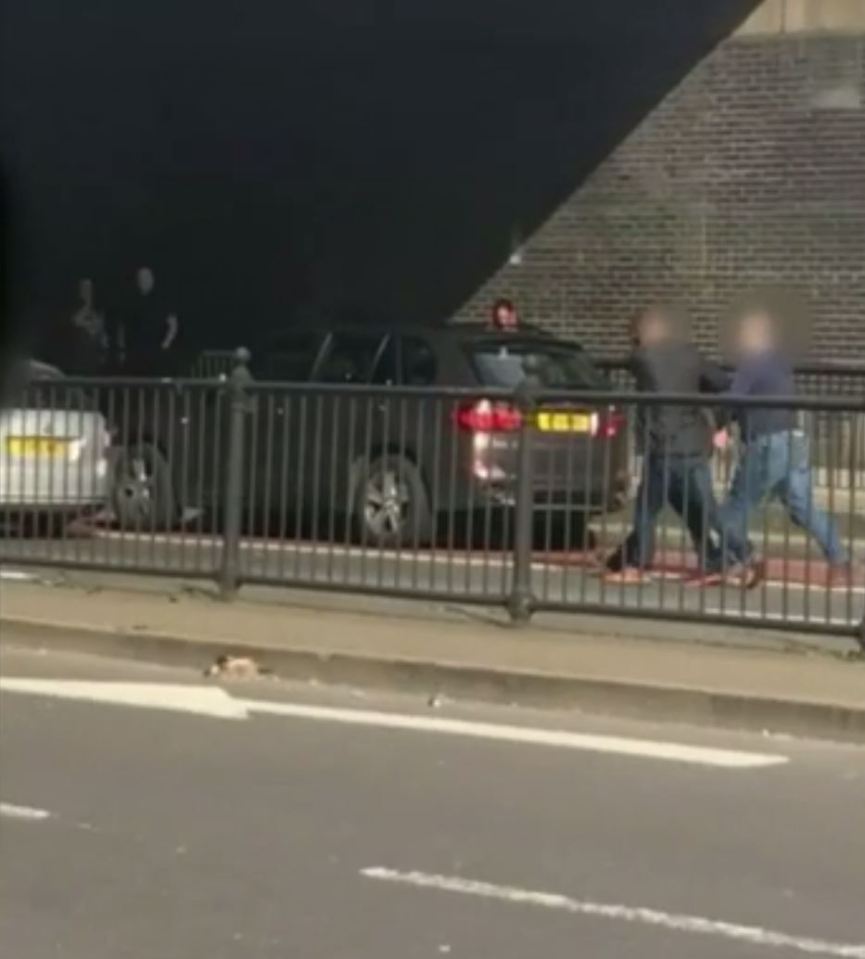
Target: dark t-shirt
point(765, 374)
point(145, 329)
point(73, 349)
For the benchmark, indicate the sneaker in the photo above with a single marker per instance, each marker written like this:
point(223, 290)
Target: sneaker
point(629, 576)
point(841, 575)
point(706, 579)
point(751, 574)
point(745, 576)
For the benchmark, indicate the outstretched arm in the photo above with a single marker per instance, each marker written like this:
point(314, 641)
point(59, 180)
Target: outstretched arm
point(172, 325)
point(713, 378)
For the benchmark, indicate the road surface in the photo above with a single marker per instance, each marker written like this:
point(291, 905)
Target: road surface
point(288, 821)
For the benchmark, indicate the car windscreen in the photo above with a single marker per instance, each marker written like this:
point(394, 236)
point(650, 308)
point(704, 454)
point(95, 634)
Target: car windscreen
point(556, 365)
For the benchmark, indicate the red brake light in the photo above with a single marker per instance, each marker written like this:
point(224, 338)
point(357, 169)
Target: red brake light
point(608, 425)
point(487, 417)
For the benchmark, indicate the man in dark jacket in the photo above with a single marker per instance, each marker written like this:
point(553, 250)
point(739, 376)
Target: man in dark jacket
point(676, 442)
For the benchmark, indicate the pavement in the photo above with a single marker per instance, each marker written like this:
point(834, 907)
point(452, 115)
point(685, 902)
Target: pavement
point(755, 681)
point(795, 591)
point(329, 824)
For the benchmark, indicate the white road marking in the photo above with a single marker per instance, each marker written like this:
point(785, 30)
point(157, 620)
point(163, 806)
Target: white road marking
point(12, 811)
point(216, 702)
point(675, 922)
point(199, 700)
point(17, 575)
point(527, 735)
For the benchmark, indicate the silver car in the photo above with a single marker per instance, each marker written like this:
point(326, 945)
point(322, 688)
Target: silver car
point(54, 449)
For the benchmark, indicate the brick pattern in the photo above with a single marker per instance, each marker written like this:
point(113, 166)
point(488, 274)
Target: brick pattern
point(751, 172)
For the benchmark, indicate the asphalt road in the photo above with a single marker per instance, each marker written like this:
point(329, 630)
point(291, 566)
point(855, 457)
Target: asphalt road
point(795, 590)
point(142, 833)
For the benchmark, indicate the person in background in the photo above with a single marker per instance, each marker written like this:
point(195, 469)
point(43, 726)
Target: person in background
point(676, 442)
point(504, 316)
point(149, 332)
point(91, 328)
point(775, 457)
point(75, 342)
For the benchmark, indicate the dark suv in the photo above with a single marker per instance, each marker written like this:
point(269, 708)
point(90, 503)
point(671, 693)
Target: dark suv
point(402, 430)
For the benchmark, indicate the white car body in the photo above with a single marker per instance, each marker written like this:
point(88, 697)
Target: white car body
point(53, 458)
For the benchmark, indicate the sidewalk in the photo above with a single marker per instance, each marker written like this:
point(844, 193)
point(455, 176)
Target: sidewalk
point(769, 525)
point(682, 563)
point(791, 556)
point(794, 693)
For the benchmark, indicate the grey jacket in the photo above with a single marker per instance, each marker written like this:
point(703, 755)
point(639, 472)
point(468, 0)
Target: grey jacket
point(677, 367)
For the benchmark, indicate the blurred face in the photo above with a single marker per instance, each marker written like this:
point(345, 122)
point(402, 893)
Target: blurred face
point(144, 279)
point(756, 333)
point(653, 328)
point(505, 317)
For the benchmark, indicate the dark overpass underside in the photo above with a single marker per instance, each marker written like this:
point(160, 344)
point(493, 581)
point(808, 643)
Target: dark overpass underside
point(273, 158)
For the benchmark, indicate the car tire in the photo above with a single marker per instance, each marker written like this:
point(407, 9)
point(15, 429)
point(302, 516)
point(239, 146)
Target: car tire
point(391, 504)
point(143, 495)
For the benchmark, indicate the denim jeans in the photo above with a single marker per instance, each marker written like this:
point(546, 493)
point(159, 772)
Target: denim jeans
point(777, 466)
point(684, 482)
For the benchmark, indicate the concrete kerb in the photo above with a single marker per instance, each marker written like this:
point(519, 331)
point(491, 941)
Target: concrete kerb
point(413, 610)
point(589, 694)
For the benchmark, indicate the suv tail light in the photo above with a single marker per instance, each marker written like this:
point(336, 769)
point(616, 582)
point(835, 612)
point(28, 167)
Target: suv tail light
point(608, 425)
point(488, 417)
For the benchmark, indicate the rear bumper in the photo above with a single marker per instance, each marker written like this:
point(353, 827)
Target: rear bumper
point(597, 499)
point(27, 494)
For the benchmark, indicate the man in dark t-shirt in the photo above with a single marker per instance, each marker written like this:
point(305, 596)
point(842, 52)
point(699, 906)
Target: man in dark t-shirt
point(150, 329)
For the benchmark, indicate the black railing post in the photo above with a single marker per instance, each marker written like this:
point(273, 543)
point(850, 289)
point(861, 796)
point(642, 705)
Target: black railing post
point(521, 600)
point(854, 463)
point(238, 408)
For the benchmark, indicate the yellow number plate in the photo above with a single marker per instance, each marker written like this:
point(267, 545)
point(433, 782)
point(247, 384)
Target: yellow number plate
point(554, 422)
point(36, 446)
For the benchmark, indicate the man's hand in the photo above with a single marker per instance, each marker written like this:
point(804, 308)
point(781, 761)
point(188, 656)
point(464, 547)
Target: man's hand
point(721, 439)
point(172, 325)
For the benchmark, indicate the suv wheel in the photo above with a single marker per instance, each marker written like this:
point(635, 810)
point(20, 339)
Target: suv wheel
point(392, 506)
point(143, 494)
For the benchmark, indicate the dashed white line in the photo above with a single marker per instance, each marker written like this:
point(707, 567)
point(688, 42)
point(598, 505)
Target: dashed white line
point(675, 922)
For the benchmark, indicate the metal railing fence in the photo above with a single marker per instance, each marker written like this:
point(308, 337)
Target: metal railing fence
point(812, 379)
point(835, 437)
point(501, 497)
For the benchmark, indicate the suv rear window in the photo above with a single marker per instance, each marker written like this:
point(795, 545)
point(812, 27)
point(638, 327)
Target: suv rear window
point(349, 358)
point(289, 356)
point(557, 366)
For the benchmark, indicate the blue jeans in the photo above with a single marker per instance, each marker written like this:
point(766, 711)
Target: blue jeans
point(777, 466)
point(684, 482)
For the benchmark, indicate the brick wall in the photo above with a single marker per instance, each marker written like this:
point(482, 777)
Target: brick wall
point(751, 172)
